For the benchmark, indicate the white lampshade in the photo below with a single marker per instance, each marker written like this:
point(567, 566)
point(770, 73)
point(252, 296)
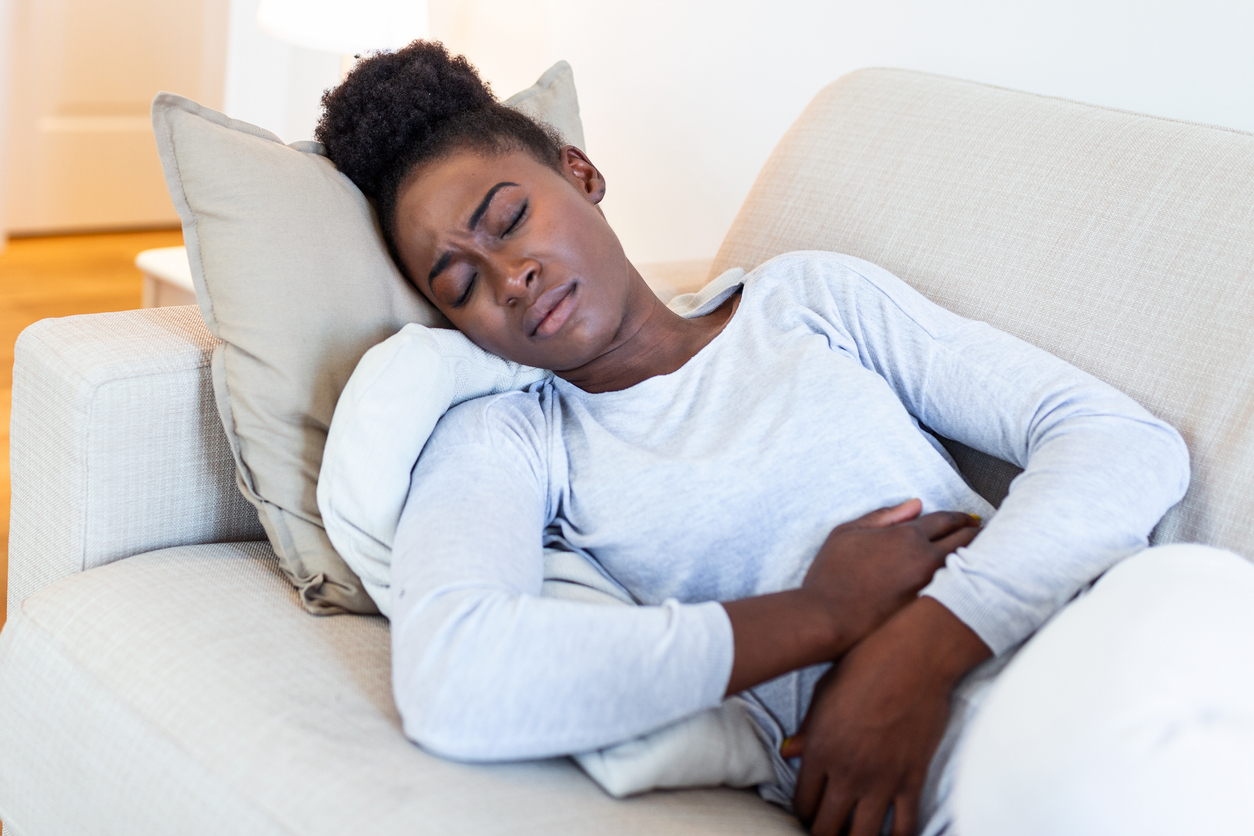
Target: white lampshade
point(345, 26)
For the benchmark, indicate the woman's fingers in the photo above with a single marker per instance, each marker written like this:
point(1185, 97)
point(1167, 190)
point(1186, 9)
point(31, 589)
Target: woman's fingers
point(793, 747)
point(961, 537)
point(834, 811)
point(940, 524)
point(808, 793)
point(868, 817)
point(906, 814)
point(884, 517)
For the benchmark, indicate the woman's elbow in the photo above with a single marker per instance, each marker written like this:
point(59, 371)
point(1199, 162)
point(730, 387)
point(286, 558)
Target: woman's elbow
point(445, 678)
point(1173, 462)
point(443, 715)
point(448, 740)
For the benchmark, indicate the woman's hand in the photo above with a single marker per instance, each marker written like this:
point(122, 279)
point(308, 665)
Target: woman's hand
point(873, 566)
point(866, 570)
point(875, 721)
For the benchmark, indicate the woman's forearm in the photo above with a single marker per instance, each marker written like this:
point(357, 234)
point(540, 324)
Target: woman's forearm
point(777, 633)
point(867, 570)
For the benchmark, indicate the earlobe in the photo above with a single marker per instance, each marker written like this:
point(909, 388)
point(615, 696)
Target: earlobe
point(582, 173)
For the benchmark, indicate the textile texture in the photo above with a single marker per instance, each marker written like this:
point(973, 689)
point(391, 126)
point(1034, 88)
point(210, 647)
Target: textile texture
point(1119, 242)
point(721, 481)
point(116, 445)
point(1131, 712)
point(245, 715)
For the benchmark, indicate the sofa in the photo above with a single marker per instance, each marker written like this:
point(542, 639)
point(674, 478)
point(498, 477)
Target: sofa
point(158, 673)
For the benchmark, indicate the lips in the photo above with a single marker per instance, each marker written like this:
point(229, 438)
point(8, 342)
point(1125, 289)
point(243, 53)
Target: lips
point(549, 311)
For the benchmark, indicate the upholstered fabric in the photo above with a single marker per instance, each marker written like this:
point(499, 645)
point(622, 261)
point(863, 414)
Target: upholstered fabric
point(1122, 243)
point(116, 445)
point(244, 715)
point(553, 100)
point(673, 278)
point(186, 692)
point(1131, 712)
point(292, 275)
point(385, 414)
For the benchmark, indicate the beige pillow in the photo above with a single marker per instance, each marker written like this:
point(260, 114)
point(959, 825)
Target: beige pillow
point(293, 277)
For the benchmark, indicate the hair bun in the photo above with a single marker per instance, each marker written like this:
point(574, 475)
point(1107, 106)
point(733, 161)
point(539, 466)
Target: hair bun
point(394, 101)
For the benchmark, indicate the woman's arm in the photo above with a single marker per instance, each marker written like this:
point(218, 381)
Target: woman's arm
point(867, 570)
point(1099, 472)
point(485, 669)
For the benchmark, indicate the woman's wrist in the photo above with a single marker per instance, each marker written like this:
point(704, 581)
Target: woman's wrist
point(781, 632)
point(784, 631)
point(833, 633)
point(949, 648)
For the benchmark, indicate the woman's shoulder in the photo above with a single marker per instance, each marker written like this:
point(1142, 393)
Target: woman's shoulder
point(806, 280)
point(835, 285)
point(514, 417)
point(800, 268)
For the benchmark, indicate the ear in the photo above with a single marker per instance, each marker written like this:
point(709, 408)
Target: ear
point(582, 174)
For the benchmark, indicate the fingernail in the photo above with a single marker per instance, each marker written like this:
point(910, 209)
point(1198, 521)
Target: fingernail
point(784, 745)
point(976, 517)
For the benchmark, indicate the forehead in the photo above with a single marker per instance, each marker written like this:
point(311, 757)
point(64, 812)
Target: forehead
point(436, 200)
point(457, 182)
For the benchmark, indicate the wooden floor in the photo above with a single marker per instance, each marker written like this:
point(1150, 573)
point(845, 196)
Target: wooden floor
point(60, 276)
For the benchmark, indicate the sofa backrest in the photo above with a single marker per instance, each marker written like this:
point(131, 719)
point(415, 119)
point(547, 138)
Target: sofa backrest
point(1122, 243)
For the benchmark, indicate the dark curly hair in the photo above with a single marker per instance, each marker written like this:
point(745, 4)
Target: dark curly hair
point(400, 109)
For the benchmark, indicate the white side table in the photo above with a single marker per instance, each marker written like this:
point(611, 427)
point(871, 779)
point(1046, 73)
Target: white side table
point(167, 277)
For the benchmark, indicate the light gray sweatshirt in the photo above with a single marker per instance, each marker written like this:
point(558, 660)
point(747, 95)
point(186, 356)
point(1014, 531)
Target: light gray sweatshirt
point(720, 481)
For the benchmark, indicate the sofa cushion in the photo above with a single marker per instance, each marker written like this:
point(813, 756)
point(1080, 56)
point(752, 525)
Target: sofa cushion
point(244, 715)
point(292, 275)
point(1121, 243)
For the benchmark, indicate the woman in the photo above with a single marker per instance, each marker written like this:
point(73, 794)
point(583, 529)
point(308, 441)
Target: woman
point(754, 474)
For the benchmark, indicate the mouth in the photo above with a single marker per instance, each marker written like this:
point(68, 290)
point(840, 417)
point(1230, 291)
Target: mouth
point(550, 310)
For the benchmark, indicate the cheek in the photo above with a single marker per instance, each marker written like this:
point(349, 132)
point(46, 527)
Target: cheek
point(489, 330)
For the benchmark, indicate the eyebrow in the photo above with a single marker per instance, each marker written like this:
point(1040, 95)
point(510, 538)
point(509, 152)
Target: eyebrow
point(483, 204)
point(475, 217)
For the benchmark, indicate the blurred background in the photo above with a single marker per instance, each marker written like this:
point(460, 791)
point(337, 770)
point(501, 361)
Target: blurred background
point(682, 101)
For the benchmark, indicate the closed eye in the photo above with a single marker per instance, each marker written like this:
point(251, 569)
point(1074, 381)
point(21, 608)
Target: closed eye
point(461, 300)
point(517, 219)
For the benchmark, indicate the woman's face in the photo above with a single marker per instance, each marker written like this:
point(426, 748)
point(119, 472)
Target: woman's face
point(517, 255)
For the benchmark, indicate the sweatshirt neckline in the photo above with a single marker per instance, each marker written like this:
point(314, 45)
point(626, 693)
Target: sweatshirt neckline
point(689, 306)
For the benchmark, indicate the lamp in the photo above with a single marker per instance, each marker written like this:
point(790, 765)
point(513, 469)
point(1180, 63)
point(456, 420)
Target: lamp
point(345, 26)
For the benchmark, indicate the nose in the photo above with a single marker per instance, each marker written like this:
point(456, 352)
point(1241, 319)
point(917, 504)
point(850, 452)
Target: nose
point(514, 279)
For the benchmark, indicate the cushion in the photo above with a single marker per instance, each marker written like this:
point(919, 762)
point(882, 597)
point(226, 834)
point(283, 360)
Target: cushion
point(123, 710)
point(1122, 243)
point(385, 414)
point(291, 273)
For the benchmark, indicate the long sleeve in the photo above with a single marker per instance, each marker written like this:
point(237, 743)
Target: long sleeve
point(484, 668)
point(1098, 470)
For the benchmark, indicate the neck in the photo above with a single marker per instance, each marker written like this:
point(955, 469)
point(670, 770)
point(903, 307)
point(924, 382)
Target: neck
point(653, 340)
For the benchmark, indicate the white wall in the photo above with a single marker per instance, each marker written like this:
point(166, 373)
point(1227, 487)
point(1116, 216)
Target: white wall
point(683, 100)
point(271, 83)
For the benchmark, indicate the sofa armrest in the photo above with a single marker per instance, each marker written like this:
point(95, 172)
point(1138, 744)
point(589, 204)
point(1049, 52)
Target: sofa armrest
point(115, 445)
